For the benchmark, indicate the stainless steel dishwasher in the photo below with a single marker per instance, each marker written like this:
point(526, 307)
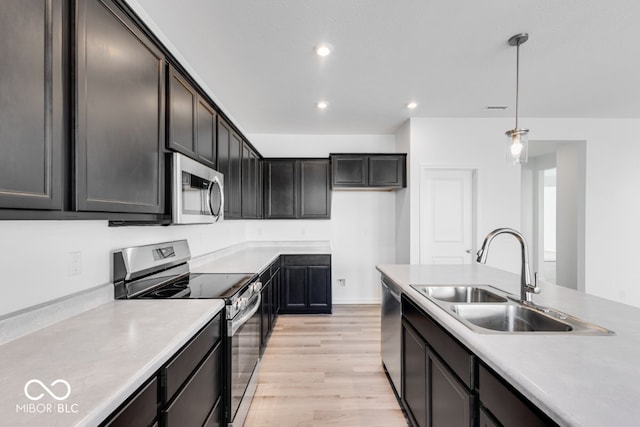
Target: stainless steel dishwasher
point(391, 336)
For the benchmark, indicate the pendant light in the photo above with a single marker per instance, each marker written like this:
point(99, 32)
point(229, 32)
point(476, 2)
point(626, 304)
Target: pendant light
point(517, 139)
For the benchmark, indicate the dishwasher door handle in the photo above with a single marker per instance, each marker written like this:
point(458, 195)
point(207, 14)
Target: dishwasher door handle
point(395, 295)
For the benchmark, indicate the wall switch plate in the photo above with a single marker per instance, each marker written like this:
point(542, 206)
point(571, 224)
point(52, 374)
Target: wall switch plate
point(342, 282)
point(74, 263)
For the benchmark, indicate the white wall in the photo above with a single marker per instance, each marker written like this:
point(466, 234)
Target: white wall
point(570, 185)
point(34, 254)
point(361, 229)
point(471, 144)
point(612, 205)
point(403, 198)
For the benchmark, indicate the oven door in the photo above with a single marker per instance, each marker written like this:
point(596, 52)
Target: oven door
point(198, 195)
point(244, 331)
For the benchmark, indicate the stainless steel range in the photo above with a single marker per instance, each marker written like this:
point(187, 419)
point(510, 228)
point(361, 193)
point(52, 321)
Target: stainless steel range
point(161, 271)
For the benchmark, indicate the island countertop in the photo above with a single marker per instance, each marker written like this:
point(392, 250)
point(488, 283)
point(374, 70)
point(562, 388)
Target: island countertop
point(103, 354)
point(576, 380)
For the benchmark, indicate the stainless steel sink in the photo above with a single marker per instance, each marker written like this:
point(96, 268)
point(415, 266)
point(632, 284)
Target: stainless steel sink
point(468, 294)
point(489, 310)
point(509, 318)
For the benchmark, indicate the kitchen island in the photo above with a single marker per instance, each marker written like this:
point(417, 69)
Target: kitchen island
point(576, 380)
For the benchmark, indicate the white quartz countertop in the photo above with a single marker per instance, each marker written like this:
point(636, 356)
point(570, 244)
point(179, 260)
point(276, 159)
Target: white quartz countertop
point(577, 380)
point(103, 354)
point(253, 259)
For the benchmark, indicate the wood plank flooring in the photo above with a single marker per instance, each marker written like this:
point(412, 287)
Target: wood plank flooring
point(325, 370)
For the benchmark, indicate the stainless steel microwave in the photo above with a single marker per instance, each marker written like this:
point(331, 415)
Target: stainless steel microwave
point(198, 192)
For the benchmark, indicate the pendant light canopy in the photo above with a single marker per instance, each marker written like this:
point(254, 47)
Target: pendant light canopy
point(517, 139)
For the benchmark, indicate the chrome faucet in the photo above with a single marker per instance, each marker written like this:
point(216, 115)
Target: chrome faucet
point(526, 289)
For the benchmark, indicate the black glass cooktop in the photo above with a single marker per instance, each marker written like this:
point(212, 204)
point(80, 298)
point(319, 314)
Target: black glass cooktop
point(201, 285)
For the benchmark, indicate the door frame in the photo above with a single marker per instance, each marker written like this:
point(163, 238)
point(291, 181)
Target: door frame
point(425, 168)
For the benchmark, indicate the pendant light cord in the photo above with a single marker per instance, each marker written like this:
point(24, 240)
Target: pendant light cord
point(517, 79)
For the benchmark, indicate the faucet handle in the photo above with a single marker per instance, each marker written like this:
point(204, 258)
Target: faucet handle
point(535, 289)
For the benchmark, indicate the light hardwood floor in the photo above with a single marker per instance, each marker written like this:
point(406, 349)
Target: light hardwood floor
point(325, 370)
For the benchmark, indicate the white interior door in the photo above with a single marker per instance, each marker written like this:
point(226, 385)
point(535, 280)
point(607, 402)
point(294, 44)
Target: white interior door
point(446, 215)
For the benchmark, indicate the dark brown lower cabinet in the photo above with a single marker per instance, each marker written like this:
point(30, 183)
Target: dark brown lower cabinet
point(415, 375)
point(193, 404)
point(141, 409)
point(306, 284)
point(445, 384)
point(433, 394)
point(503, 405)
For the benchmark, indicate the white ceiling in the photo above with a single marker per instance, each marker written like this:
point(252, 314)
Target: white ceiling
point(451, 56)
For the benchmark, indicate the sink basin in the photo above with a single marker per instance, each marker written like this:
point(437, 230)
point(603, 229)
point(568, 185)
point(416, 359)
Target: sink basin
point(509, 318)
point(460, 294)
point(486, 309)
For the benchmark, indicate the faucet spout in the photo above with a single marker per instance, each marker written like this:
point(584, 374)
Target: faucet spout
point(526, 289)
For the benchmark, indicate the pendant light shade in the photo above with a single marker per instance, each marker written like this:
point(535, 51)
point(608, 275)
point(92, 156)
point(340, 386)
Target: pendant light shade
point(517, 139)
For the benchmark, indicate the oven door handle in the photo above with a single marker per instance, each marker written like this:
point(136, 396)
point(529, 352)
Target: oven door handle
point(235, 324)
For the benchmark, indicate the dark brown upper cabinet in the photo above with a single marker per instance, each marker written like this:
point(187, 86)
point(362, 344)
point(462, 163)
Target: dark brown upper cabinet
point(192, 120)
point(229, 164)
point(120, 113)
point(206, 135)
point(368, 171)
point(280, 189)
point(251, 183)
point(31, 101)
point(182, 98)
point(297, 188)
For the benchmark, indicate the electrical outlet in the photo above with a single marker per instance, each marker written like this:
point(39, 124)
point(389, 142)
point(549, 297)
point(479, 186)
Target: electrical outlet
point(342, 282)
point(74, 263)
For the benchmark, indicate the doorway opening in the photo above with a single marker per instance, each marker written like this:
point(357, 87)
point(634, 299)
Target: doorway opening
point(553, 210)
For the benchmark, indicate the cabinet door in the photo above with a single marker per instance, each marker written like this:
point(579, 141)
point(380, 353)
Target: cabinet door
point(506, 404)
point(229, 155)
point(265, 307)
point(140, 410)
point(294, 291)
point(415, 391)
point(206, 140)
point(182, 105)
point(120, 113)
point(223, 164)
point(349, 171)
point(280, 198)
point(387, 171)
point(249, 182)
point(31, 88)
point(194, 402)
point(451, 404)
point(233, 204)
point(315, 191)
point(319, 283)
point(276, 282)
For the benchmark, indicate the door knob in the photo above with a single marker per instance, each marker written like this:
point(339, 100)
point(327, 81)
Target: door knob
point(468, 251)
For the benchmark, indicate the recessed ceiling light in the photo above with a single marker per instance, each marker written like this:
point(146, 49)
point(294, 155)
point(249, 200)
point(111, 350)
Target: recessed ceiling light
point(322, 105)
point(412, 105)
point(323, 49)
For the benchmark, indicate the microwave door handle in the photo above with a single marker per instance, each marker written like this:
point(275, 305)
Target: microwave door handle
point(215, 183)
point(209, 198)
